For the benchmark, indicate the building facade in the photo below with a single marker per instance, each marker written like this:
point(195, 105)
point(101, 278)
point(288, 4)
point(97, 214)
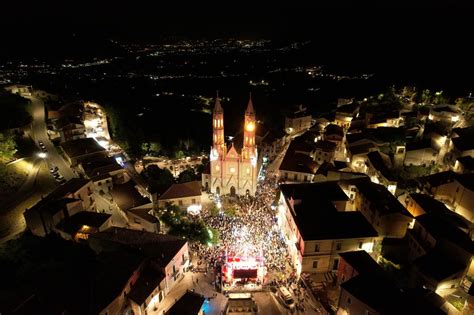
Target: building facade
point(232, 172)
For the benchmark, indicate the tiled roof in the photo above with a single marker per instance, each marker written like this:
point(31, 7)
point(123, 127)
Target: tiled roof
point(183, 190)
point(79, 147)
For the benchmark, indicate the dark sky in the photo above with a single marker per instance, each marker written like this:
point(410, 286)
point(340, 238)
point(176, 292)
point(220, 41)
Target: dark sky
point(440, 33)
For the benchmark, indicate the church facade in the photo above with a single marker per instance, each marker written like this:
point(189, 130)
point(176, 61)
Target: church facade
point(232, 172)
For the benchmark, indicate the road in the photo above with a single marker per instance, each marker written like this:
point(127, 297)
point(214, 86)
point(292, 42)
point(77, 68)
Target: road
point(39, 181)
point(38, 184)
point(39, 133)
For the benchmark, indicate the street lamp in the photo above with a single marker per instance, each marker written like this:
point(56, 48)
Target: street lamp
point(42, 155)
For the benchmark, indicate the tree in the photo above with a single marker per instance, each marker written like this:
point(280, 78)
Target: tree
point(187, 175)
point(425, 96)
point(7, 147)
point(179, 154)
point(201, 167)
point(158, 178)
point(17, 111)
point(153, 148)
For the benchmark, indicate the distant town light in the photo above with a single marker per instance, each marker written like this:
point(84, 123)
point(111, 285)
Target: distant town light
point(42, 155)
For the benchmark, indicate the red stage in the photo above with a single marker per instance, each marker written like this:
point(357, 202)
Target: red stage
point(242, 271)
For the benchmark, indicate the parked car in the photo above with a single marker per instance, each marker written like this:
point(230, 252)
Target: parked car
point(286, 298)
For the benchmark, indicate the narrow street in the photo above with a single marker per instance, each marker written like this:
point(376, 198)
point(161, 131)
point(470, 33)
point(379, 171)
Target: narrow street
point(39, 181)
point(39, 133)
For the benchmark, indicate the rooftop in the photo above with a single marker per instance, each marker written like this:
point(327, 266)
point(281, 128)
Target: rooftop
point(60, 197)
point(361, 261)
point(51, 206)
point(348, 108)
point(80, 147)
point(441, 229)
point(298, 162)
point(436, 207)
point(97, 166)
point(438, 179)
point(144, 214)
point(149, 278)
point(361, 148)
point(153, 245)
point(464, 132)
point(127, 196)
point(467, 162)
point(378, 163)
point(183, 190)
point(70, 187)
point(439, 266)
point(190, 304)
point(74, 223)
point(316, 216)
point(333, 129)
point(384, 297)
point(380, 198)
point(419, 145)
point(325, 145)
point(463, 143)
point(445, 108)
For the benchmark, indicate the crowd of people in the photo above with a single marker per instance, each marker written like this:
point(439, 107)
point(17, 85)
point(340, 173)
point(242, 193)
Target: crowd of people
point(252, 232)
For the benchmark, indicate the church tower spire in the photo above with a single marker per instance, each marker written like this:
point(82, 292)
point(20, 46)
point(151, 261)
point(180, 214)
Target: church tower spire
point(249, 131)
point(250, 109)
point(218, 126)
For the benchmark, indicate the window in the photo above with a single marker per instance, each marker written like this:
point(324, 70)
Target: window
point(316, 247)
point(367, 312)
point(295, 176)
point(193, 200)
point(315, 264)
point(306, 178)
point(335, 264)
point(360, 245)
point(338, 246)
point(349, 301)
point(180, 202)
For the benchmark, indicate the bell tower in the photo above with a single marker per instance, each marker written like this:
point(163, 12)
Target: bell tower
point(218, 142)
point(250, 126)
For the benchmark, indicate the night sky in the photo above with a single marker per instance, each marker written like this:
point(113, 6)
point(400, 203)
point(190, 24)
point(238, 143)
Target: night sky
point(398, 37)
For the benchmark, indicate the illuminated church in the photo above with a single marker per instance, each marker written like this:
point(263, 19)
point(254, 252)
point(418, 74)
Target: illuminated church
point(232, 172)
